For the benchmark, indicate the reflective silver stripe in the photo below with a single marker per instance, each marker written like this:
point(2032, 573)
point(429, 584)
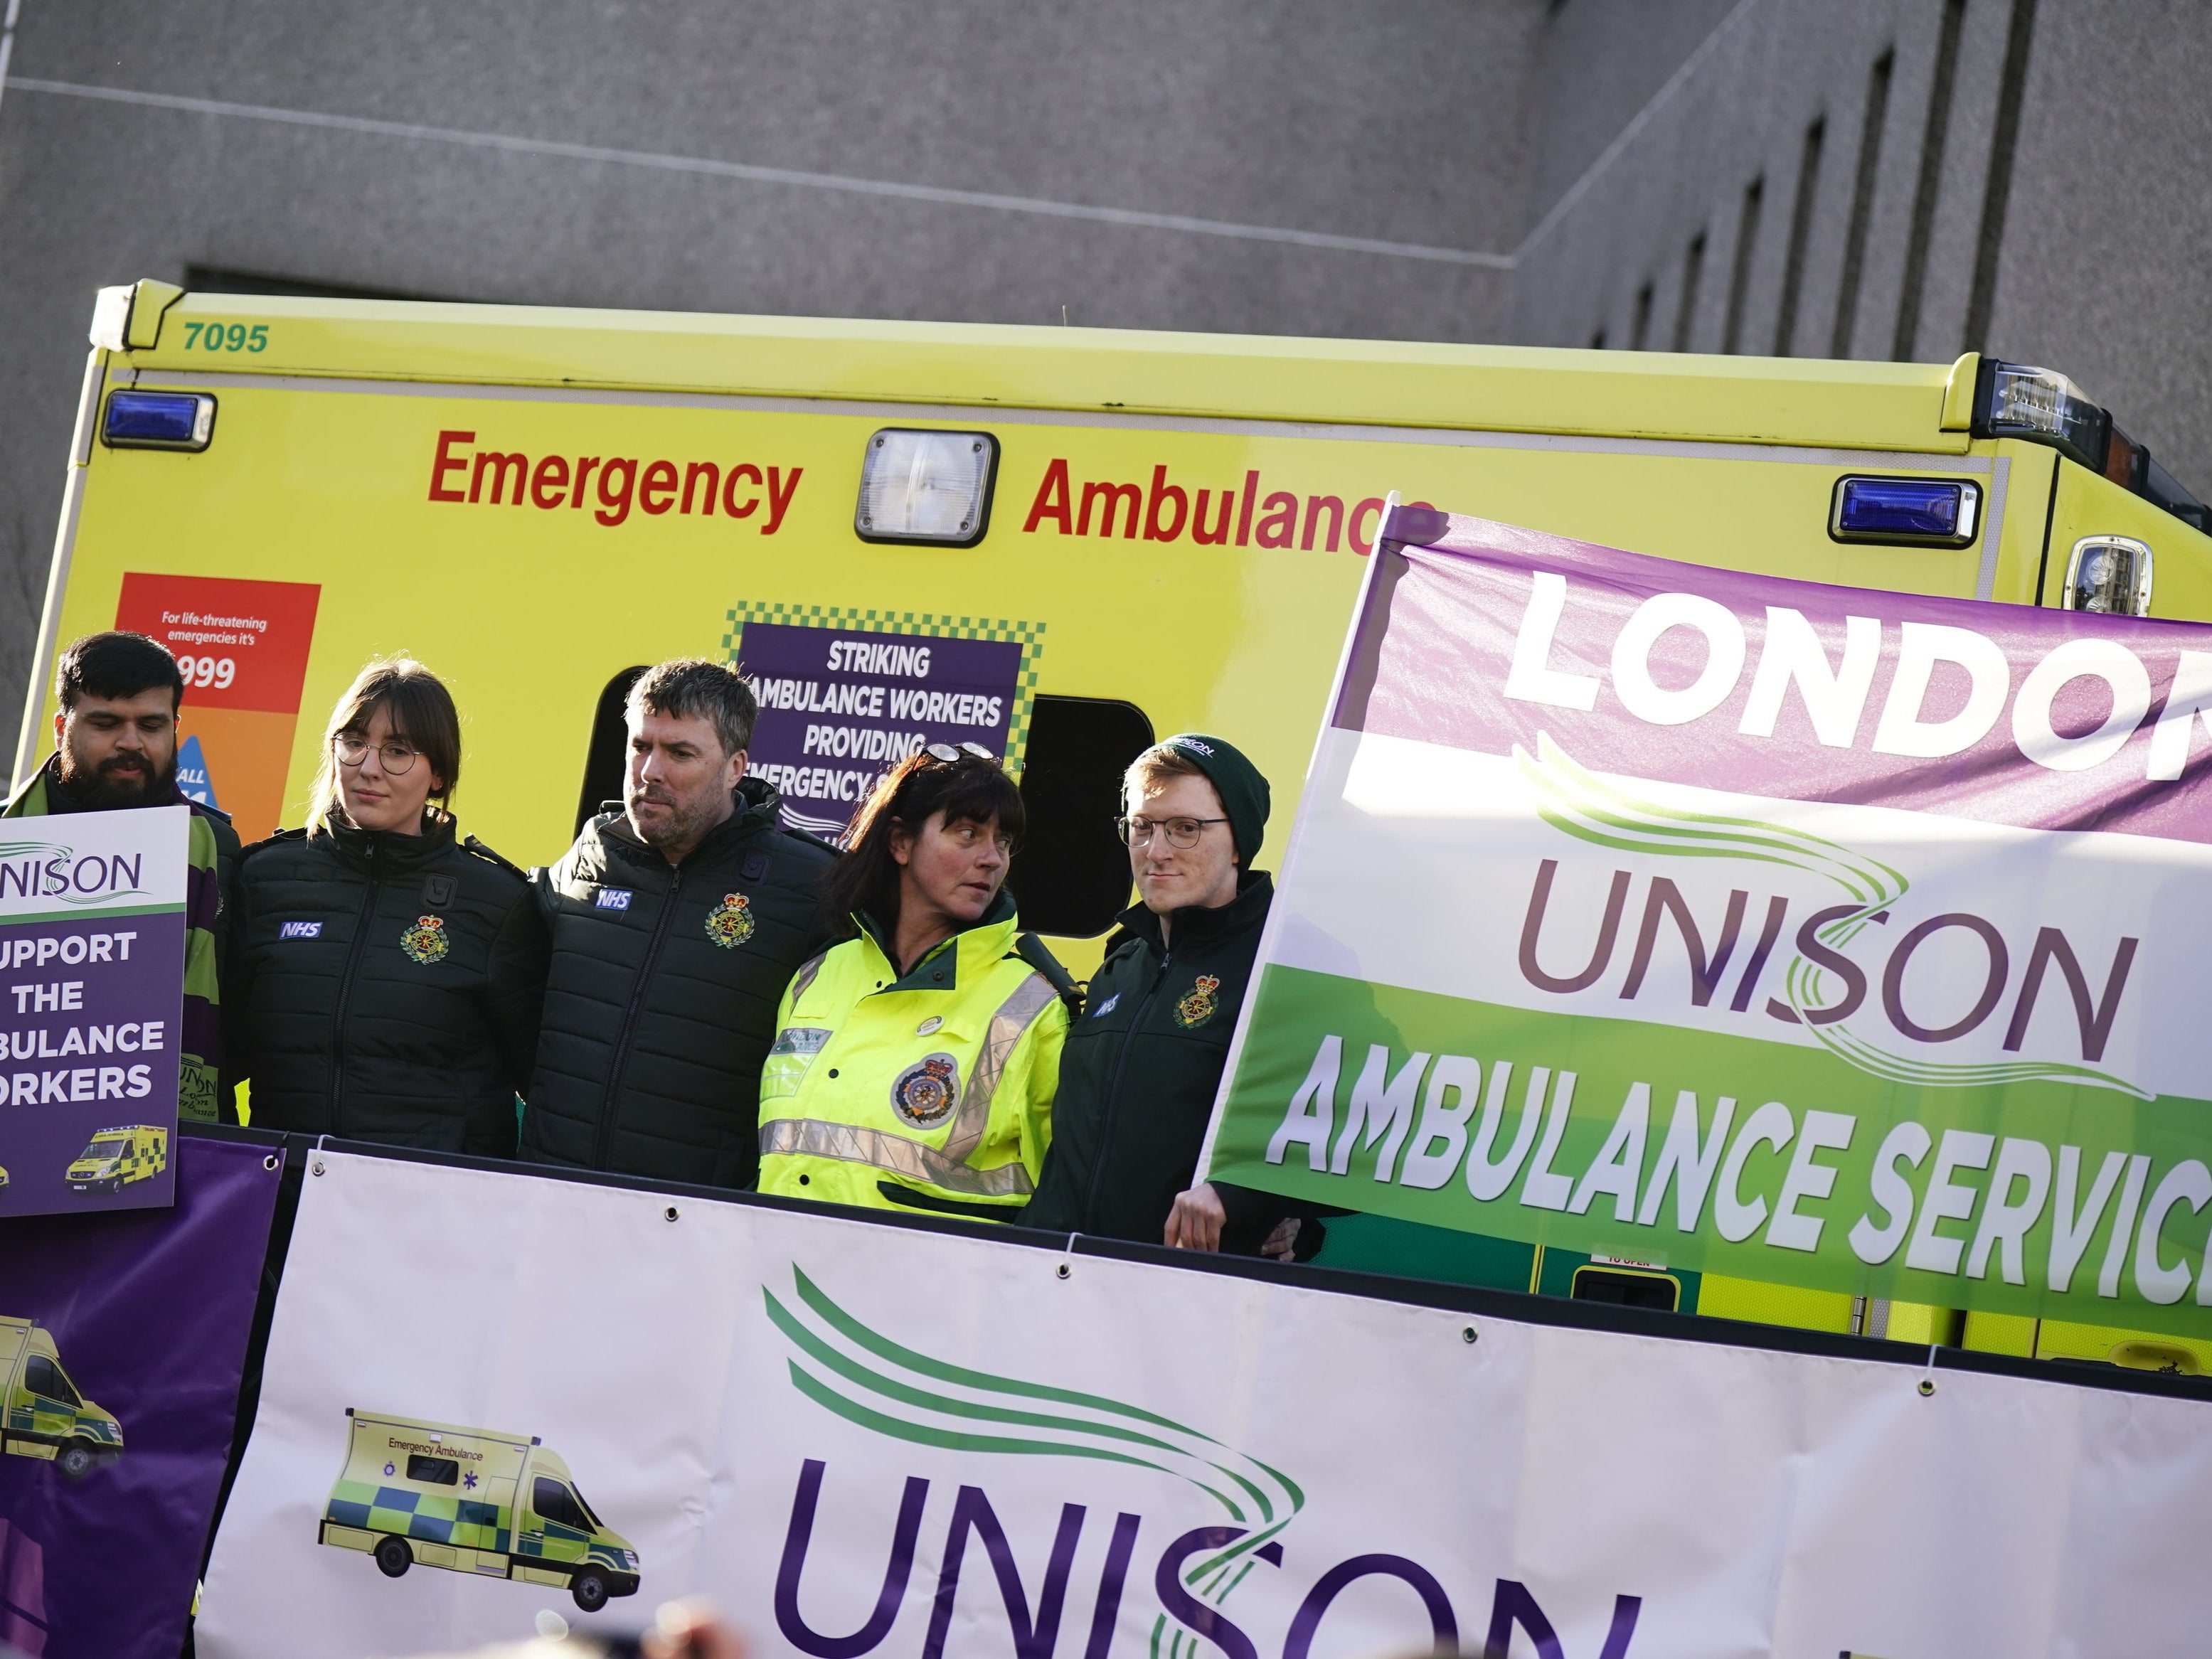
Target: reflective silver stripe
point(1015, 1016)
point(805, 977)
point(946, 1166)
point(849, 1143)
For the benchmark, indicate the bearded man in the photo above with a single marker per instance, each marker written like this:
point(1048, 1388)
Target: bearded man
point(115, 748)
point(677, 918)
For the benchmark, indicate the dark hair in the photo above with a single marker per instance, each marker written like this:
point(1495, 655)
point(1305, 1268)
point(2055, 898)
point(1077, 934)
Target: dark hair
point(689, 686)
point(116, 664)
point(421, 710)
point(968, 790)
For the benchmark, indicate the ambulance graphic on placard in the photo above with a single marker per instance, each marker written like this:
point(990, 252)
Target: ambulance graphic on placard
point(473, 1501)
point(116, 1157)
point(41, 1412)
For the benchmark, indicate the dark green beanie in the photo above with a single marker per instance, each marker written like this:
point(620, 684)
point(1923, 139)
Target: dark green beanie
point(1244, 792)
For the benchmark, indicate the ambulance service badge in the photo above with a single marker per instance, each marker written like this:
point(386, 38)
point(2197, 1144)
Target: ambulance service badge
point(426, 941)
point(730, 923)
point(1198, 1004)
point(924, 1093)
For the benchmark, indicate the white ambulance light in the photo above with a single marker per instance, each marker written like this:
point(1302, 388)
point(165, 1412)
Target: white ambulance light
point(926, 487)
point(158, 420)
point(2110, 575)
point(2019, 400)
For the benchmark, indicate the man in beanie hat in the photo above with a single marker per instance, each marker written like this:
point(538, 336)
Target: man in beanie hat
point(1142, 1063)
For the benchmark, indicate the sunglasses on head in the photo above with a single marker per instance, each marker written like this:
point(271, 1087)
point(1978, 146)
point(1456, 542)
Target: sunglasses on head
point(948, 753)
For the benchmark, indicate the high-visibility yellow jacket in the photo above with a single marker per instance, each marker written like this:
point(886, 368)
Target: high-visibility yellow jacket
point(930, 1091)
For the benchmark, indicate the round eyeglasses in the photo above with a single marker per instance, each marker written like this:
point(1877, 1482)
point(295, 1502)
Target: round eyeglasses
point(1181, 832)
point(394, 758)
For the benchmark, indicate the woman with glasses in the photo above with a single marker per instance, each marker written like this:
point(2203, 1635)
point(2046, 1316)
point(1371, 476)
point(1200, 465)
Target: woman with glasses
point(384, 976)
point(915, 1064)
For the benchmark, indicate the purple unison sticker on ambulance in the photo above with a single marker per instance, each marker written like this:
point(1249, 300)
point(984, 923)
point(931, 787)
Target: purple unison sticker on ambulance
point(92, 977)
point(840, 707)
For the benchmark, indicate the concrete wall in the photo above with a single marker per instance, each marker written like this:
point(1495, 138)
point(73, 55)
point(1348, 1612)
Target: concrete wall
point(1288, 115)
point(1559, 157)
point(2098, 269)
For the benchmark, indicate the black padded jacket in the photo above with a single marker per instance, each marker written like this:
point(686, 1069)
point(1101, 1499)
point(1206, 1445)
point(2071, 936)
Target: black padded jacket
point(383, 987)
point(661, 1002)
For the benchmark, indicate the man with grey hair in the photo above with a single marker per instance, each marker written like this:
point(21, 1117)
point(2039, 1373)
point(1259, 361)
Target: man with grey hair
point(677, 918)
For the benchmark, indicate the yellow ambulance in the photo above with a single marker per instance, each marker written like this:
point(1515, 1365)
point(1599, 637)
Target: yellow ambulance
point(113, 1158)
point(1060, 543)
point(473, 1501)
point(42, 1415)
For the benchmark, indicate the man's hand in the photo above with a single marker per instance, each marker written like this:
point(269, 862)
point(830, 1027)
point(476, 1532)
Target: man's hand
point(1196, 1221)
point(1283, 1241)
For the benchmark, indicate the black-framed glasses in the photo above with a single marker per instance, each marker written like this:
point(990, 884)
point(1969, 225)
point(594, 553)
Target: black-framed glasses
point(353, 749)
point(1181, 832)
point(948, 753)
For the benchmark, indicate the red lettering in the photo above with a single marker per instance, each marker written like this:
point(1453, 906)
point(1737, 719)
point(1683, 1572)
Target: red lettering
point(1162, 493)
point(500, 466)
point(778, 500)
point(1313, 505)
point(446, 462)
point(1281, 523)
point(1362, 543)
point(1113, 495)
point(1220, 523)
point(584, 465)
point(1244, 513)
point(659, 480)
point(549, 485)
point(692, 474)
point(1051, 500)
point(613, 500)
point(742, 470)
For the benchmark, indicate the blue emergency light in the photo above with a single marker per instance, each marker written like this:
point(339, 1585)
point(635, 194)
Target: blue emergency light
point(158, 420)
point(1910, 512)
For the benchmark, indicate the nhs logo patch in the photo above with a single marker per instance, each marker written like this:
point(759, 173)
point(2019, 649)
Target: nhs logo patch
point(613, 898)
point(1105, 1007)
point(300, 930)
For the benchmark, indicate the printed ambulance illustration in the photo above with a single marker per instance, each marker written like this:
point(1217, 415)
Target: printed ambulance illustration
point(470, 1500)
point(45, 1416)
point(116, 1157)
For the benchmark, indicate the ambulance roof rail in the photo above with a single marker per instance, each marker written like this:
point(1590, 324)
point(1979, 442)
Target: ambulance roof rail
point(1130, 375)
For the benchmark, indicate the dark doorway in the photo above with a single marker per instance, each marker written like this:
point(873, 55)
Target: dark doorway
point(605, 761)
point(1071, 873)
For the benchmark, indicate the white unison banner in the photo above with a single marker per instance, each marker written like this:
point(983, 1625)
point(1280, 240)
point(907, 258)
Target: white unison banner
point(488, 1394)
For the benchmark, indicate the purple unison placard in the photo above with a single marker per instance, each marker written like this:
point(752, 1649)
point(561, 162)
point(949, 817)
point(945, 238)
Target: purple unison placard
point(92, 980)
point(144, 1316)
point(839, 708)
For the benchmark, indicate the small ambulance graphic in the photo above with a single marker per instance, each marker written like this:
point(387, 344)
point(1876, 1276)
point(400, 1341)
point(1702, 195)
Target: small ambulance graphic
point(41, 1412)
point(473, 1501)
point(116, 1157)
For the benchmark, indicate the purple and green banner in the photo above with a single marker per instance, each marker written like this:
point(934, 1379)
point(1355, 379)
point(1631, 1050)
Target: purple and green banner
point(123, 1340)
point(1833, 937)
point(92, 985)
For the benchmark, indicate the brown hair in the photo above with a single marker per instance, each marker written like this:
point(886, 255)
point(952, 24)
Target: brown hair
point(1152, 768)
point(968, 790)
point(422, 711)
